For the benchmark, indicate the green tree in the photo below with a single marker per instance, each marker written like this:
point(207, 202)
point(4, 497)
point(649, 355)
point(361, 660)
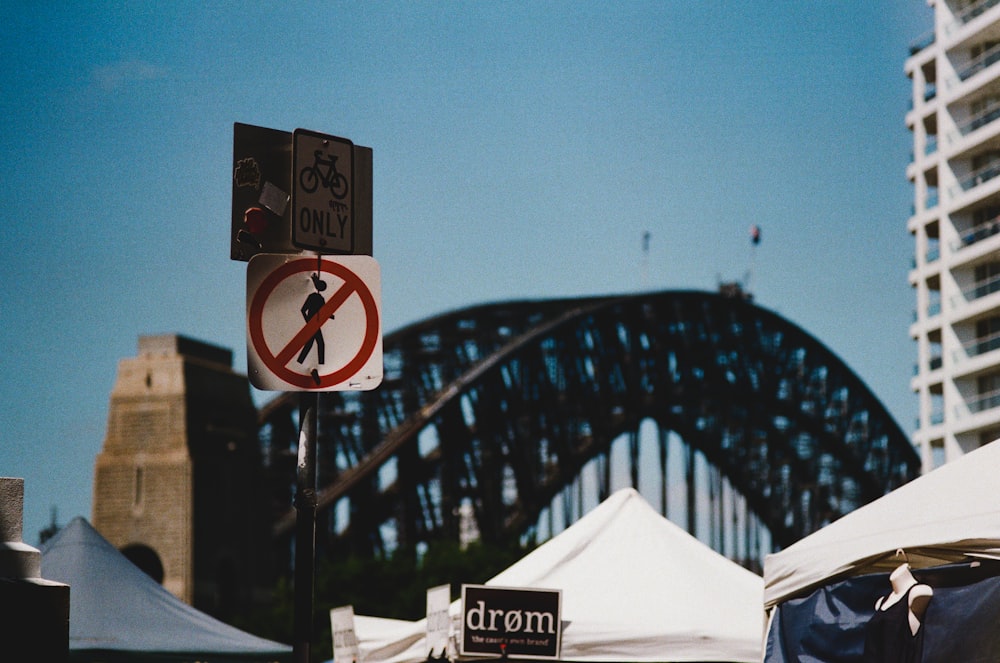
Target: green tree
point(393, 586)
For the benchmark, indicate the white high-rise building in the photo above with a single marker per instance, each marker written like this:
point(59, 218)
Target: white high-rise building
point(955, 222)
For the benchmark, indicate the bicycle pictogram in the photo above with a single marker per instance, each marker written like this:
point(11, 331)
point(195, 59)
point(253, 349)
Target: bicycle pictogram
point(323, 171)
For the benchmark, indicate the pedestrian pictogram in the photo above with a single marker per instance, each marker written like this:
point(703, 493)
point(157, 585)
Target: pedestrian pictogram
point(314, 323)
point(313, 305)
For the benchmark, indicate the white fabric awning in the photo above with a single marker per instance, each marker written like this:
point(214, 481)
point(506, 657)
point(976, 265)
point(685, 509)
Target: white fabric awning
point(635, 587)
point(947, 515)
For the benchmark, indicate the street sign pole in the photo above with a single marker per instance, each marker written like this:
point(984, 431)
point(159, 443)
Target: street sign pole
point(328, 182)
point(305, 527)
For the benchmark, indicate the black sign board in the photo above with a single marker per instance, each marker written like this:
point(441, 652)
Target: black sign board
point(283, 207)
point(511, 622)
point(262, 166)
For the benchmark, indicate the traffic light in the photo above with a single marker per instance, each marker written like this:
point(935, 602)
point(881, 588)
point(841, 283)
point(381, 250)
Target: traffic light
point(262, 162)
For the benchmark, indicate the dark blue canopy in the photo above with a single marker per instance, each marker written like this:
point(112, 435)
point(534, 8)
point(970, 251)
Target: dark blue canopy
point(828, 625)
point(118, 613)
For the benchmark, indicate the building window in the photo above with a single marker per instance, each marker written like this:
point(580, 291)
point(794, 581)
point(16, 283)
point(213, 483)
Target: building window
point(936, 360)
point(139, 488)
point(937, 409)
point(937, 454)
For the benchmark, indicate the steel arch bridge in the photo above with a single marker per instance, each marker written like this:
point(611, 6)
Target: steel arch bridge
point(494, 411)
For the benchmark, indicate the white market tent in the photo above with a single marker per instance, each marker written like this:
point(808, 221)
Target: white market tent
point(635, 587)
point(118, 613)
point(947, 515)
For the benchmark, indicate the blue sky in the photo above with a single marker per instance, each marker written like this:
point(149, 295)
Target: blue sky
point(521, 150)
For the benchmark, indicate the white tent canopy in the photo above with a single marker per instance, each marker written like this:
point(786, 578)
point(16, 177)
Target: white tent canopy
point(635, 587)
point(944, 516)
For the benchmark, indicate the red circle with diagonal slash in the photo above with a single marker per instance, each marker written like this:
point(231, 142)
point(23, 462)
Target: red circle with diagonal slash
point(277, 362)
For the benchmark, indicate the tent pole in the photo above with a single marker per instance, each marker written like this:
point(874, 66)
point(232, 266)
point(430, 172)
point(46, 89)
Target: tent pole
point(305, 527)
point(664, 441)
point(691, 491)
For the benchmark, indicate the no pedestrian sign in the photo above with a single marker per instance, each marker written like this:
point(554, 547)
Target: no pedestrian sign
point(314, 323)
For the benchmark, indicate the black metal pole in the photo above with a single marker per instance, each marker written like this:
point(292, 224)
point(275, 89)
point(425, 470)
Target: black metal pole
point(305, 527)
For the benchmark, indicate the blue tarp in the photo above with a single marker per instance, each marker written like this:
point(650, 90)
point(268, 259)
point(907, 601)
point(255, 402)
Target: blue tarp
point(118, 613)
point(828, 625)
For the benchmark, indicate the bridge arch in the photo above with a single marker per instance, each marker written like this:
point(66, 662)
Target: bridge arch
point(493, 411)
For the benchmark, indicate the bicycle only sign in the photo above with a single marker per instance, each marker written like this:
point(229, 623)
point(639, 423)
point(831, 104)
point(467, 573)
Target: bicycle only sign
point(314, 323)
point(323, 209)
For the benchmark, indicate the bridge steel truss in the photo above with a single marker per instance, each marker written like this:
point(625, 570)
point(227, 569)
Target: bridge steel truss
point(500, 407)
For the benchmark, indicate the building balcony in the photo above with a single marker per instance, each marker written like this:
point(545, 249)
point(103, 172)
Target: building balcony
point(981, 289)
point(981, 63)
point(971, 12)
point(984, 118)
point(983, 413)
point(973, 360)
point(981, 175)
point(981, 345)
point(974, 303)
point(986, 401)
point(978, 233)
